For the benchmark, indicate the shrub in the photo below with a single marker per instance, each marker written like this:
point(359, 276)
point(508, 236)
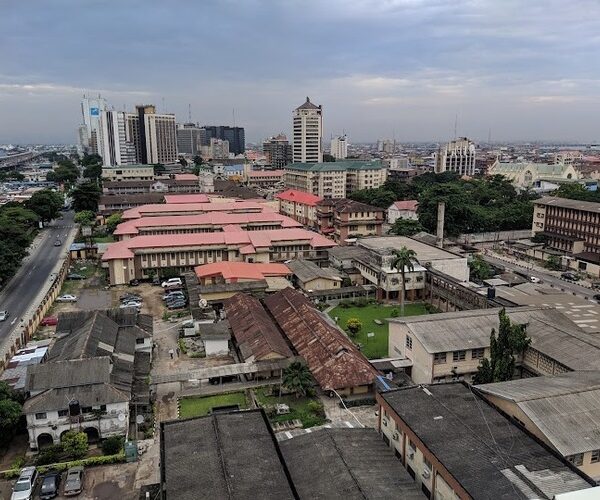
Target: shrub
point(345, 304)
point(395, 312)
point(182, 346)
point(49, 455)
point(75, 444)
point(362, 302)
point(112, 445)
point(353, 325)
point(315, 407)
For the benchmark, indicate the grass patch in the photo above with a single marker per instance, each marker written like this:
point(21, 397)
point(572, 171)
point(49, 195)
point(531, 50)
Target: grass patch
point(200, 406)
point(377, 346)
point(105, 238)
point(308, 410)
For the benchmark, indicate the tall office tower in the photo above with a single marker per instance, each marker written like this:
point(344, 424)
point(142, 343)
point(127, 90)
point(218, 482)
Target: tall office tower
point(278, 151)
point(91, 110)
point(456, 156)
point(157, 136)
point(339, 147)
point(235, 136)
point(190, 138)
point(308, 132)
point(118, 143)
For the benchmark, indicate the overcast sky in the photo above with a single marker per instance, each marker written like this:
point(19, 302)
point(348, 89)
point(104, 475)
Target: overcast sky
point(525, 69)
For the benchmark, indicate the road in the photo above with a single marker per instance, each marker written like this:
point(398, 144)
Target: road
point(20, 292)
point(547, 277)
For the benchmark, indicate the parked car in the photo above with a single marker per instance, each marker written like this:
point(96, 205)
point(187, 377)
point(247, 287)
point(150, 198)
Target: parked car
point(569, 276)
point(596, 297)
point(25, 485)
point(534, 279)
point(173, 282)
point(75, 276)
point(176, 305)
point(67, 298)
point(125, 305)
point(134, 282)
point(74, 482)
point(50, 485)
point(49, 321)
point(3, 315)
point(176, 293)
point(130, 296)
point(177, 298)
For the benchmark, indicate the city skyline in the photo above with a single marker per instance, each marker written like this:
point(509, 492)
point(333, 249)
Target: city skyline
point(407, 69)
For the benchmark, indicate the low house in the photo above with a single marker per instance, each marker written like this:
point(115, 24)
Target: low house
point(308, 276)
point(457, 446)
point(216, 338)
point(405, 209)
point(15, 371)
point(561, 410)
point(344, 259)
point(83, 251)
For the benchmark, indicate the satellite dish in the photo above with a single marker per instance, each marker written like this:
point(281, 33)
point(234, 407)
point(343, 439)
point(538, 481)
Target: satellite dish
point(202, 303)
point(139, 419)
point(121, 417)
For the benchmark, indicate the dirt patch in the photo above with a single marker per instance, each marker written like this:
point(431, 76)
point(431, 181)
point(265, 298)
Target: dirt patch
point(151, 297)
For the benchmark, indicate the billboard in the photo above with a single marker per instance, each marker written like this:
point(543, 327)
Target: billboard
point(94, 111)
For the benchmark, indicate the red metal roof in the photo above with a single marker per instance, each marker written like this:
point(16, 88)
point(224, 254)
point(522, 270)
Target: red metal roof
point(241, 270)
point(299, 197)
point(186, 177)
point(410, 205)
point(187, 198)
point(198, 208)
point(332, 358)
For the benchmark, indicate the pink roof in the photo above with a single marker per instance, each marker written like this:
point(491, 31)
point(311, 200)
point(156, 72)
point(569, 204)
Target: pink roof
point(186, 198)
point(265, 173)
point(233, 270)
point(212, 218)
point(124, 249)
point(186, 177)
point(410, 205)
point(166, 208)
point(299, 197)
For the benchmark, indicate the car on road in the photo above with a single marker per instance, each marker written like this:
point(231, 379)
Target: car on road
point(534, 279)
point(569, 276)
point(50, 486)
point(173, 282)
point(3, 315)
point(58, 243)
point(75, 276)
point(67, 298)
point(74, 482)
point(25, 485)
point(49, 321)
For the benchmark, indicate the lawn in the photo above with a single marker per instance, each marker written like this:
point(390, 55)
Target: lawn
point(300, 408)
point(105, 238)
point(377, 346)
point(200, 406)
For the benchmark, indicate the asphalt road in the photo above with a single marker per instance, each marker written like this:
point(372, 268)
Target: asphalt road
point(20, 292)
point(547, 277)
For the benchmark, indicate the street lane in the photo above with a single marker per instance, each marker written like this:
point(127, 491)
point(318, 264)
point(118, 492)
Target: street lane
point(20, 292)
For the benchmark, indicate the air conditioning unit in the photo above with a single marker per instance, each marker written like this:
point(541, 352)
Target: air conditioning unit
point(396, 436)
point(411, 454)
point(426, 473)
point(385, 421)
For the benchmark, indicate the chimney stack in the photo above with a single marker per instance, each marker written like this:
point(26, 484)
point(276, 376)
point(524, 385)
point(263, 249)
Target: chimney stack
point(439, 241)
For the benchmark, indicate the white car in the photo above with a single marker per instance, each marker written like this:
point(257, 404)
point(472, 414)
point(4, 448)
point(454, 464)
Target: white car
point(533, 279)
point(172, 282)
point(3, 315)
point(132, 303)
point(25, 485)
point(67, 298)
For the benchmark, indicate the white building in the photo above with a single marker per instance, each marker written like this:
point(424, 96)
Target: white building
point(217, 150)
point(308, 133)
point(339, 147)
point(156, 137)
point(90, 134)
point(118, 145)
point(404, 209)
point(456, 156)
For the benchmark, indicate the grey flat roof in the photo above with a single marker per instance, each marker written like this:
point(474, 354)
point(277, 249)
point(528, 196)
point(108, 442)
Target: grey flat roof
point(306, 270)
point(425, 253)
point(346, 252)
point(347, 464)
point(588, 206)
point(566, 407)
point(228, 455)
point(488, 455)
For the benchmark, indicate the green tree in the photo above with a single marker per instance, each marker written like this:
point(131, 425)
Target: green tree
point(480, 269)
point(198, 160)
point(112, 445)
point(46, 204)
point(92, 159)
point(403, 261)
point(159, 169)
point(379, 197)
point(85, 217)
point(65, 172)
point(183, 162)
point(17, 229)
point(327, 158)
point(353, 325)
point(553, 263)
point(112, 221)
point(10, 413)
point(75, 444)
point(11, 175)
point(511, 340)
point(85, 197)
point(93, 171)
point(297, 378)
point(406, 227)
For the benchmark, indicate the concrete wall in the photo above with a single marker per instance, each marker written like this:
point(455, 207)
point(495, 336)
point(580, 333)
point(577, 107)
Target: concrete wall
point(475, 238)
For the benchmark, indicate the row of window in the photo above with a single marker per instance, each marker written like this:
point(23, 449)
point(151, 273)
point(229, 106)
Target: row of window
point(577, 459)
point(64, 413)
point(439, 358)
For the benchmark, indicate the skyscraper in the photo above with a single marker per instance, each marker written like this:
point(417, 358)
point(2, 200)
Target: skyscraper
point(308, 132)
point(235, 136)
point(90, 134)
point(278, 151)
point(456, 156)
point(157, 136)
point(339, 147)
point(190, 138)
point(118, 144)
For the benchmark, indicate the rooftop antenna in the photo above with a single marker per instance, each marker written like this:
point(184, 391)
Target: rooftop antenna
point(233, 112)
point(189, 113)
point(455, 124)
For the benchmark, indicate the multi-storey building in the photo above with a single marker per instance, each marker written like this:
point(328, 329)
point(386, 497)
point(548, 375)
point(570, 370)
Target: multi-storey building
point(339, 147)
point(278, 151)
point(190, 138)
point(177, 183)
point(264, 178)
point(346, 220)
point(334, 179)
point(118, 145)
point(217, 149)
point(90, 132)
point(157, 136)
point(299, 206)
point(235, 136)
point(128, 173)
point(308, 133)
point(456, 156)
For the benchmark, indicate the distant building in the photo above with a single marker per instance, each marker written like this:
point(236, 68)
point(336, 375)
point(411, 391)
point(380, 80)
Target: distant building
point(456, 156)
point(278, 151)
point(217, 149)
point(128, 173)
point(264, 178)
point(345, 219)
point(157, 134)
point(339, 147)
point(532, 175)
point(190, 138)
point(299, 206)
point(90, 132)
point(308, 133)
point(118, 145)
point(235, 137)
point(404, 209)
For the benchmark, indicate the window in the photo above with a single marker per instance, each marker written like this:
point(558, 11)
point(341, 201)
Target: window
point(409, 342)
point(439, 358)
point(595, 456)
point(576, 459)
point(63, 413)
point(477, 353)
point(40, 416)
point(459, 355)
point(139, 341)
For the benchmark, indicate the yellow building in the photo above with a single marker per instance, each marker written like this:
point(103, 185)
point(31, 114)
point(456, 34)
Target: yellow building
point(128, 173)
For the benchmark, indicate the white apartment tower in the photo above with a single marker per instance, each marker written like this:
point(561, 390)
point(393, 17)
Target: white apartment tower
point(118, 144)
point(456, 156)
point(157, 136)
point(308, 132)
point(339, 147)
point(90, 134)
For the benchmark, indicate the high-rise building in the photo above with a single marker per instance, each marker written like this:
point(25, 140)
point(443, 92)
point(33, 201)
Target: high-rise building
point(217, 150)
point(339, 147)
point(278, 151)
point(91, 136)
point(118, 144)
point(190, 138)
point(235, 136)
point(157, 136)
point(456, 156)
point(308, 132)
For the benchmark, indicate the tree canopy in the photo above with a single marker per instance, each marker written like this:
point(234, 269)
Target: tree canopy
point(406, 227)
point(403, 260)
point(10, 413)
point(85, 217)
point(297, 378)
point(65, 172)
point(577, 192)
point(46, 203)
point(113, 221)
point(85, 197)
point(17, 229)
point(479, 269)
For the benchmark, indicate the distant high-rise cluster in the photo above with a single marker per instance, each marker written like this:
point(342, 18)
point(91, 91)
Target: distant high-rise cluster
point(456, 156)
point(278, 151)
point(339, 147)
point(308, 132)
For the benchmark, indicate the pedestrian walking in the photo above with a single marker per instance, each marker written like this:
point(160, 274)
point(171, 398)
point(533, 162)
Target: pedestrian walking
point(171, 353)
point(177, 351)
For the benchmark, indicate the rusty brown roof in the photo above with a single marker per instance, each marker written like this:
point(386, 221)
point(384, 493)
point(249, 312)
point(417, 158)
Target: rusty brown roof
point(255, 333)
point(332, 358)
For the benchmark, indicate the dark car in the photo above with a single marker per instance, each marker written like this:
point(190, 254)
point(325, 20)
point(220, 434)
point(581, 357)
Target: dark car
point(134, 282)
point(596, 297)
point(176, 305)
point(569, 276)
point(75, 276)
point(50, 485)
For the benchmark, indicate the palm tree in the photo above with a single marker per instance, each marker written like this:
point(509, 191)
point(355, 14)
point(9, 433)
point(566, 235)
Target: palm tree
point(297, 378)
point(403, 260)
